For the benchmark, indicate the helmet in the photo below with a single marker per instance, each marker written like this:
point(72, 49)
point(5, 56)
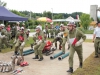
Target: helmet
point(44, 31)
point(28, 29)
point(61, 25)
point(23, 24)
point(71, 23)
point(2, 25)
point(22, 28)
point(38, 28)
point(17, 23)
point(51, 23)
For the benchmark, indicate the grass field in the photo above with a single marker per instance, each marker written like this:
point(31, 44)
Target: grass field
point(91, 66)
point(28, 45)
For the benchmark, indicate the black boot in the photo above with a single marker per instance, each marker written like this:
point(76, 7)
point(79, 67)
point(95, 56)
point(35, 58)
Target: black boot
point(40, 59)
point(81, 64)
point(36, 57)
point(11, 47)
point(96, 56)
point(31, 45)
point(70, 70)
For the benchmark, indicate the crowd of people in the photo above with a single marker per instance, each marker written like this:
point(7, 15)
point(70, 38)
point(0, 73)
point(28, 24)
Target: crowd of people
point(61, 33)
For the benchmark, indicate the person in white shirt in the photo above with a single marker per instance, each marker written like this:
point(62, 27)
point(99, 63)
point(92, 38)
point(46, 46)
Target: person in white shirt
point(96, 39)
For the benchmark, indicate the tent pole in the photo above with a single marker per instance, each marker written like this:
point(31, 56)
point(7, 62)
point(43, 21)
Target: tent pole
point(3, 21)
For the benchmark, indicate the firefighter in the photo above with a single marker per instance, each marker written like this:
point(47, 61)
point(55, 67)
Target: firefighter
point(40, 43)
point(4, 38)
point(65, 33)
point(27, 33)
point(52, 30)
point(59, 39)
point(75, 39)
point(20, 40)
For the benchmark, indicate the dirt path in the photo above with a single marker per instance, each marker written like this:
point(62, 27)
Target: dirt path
point(47, 66)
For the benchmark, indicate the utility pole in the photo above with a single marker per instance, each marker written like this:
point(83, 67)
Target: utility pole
point(30, 15)
point(52, 13)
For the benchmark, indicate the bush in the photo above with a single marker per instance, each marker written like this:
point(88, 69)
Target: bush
point(82, 29)
point(86, 31)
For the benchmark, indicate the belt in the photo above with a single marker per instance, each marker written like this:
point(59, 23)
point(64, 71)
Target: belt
point(97, 37)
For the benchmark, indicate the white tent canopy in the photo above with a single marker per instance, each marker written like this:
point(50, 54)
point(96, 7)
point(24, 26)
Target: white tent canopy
point(67, 19)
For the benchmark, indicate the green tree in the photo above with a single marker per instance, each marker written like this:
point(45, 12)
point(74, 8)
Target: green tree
point(2, 3)
point(18, 13)
point(85, 20)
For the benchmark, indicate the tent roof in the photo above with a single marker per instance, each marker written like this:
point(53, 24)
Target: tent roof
point(67, 19)
point(9, 16)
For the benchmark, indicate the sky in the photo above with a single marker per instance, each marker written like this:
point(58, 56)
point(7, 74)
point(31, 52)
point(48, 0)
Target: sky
point(55, 6)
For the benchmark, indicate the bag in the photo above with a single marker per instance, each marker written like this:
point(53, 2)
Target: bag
point(24, 64)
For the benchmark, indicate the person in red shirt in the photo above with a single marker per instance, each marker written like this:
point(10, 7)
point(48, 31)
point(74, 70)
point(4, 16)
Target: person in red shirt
point(8, 32)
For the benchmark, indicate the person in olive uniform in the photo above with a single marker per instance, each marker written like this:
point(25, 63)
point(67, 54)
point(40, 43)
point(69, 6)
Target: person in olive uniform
point(20, 40)
point(52, 30)
point(59, 39)
point(64, 33)
point(0, 38)
point(75, 39)
point(3, 38)
point(96, 39)
point(47, 31)
point(40, 44)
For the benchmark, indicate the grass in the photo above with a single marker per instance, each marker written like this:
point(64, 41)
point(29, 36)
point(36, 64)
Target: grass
point(5, 50)
point(32, 30)
point(91, 66)
point(88, 40)
point(88, 31)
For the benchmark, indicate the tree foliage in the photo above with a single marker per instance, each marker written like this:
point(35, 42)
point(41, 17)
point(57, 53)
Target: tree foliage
point(85, 20)
point(2, 3)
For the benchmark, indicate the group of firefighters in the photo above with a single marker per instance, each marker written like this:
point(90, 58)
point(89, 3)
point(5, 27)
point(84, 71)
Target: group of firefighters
point(69, 34)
